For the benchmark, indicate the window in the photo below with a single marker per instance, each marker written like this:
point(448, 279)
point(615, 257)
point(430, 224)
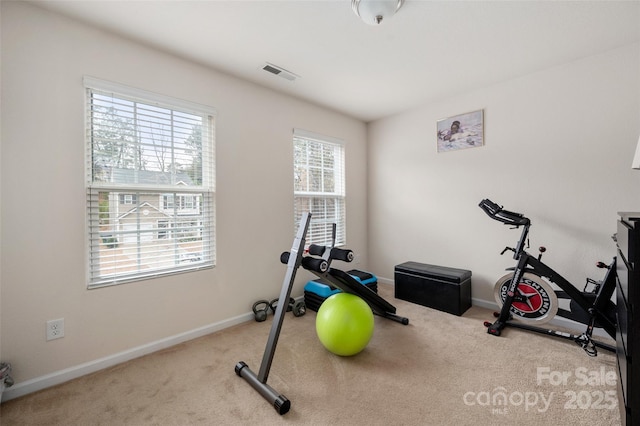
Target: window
point(128, 199)
point(150, 184)
point(182, 203)
point(319, 188)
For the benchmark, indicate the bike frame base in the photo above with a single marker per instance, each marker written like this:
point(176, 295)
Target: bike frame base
point(497, 327)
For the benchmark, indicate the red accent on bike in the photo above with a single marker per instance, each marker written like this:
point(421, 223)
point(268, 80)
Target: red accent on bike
point(532, 295)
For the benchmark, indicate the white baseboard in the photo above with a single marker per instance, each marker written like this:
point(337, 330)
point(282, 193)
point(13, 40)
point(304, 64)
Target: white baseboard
point(58, 377)
point(382, 280)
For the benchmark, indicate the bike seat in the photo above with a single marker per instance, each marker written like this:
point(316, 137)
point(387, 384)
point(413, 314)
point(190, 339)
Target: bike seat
point(496, 212)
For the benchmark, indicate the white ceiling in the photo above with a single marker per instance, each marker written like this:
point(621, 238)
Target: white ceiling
point(430, 50)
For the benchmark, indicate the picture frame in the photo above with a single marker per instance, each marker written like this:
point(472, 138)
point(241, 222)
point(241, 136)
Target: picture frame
point(461, 131)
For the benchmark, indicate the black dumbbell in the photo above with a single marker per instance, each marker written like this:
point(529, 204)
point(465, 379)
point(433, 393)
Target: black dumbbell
point(299, 308)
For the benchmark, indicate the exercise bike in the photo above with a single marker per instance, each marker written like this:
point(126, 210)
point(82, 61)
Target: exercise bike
point(527, 298)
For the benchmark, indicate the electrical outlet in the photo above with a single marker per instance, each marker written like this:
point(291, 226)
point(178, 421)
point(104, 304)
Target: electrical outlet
point(55, 329)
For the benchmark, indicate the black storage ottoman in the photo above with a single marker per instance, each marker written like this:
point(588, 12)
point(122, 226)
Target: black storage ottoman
point(438, 287)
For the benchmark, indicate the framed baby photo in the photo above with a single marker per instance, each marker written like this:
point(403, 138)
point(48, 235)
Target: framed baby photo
point(461, 131)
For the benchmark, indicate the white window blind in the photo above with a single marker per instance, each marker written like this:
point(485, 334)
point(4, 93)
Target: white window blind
point(150, 184)
point(319, 186)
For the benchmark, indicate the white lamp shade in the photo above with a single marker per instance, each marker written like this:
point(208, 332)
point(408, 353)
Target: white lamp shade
point(373, 12)
point(636, 157)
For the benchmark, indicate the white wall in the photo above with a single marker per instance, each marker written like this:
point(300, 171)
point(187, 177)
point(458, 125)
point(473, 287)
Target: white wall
point(558, 147)
point(44, 58)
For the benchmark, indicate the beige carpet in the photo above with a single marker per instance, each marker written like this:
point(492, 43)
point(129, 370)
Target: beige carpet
point(438, 370)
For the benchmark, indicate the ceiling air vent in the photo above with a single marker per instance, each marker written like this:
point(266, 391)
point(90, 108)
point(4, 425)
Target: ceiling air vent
point(280, 72)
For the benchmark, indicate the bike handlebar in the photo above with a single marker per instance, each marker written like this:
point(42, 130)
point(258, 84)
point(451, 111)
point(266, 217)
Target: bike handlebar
point(495, 211)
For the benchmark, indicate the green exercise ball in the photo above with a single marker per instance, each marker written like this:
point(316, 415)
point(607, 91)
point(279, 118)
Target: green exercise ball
point(344, 324)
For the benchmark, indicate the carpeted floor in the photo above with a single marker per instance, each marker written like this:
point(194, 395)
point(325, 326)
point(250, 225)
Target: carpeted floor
point(438, 370)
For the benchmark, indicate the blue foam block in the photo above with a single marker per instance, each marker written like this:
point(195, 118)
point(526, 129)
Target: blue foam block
point(320, 289)
point(363, 277)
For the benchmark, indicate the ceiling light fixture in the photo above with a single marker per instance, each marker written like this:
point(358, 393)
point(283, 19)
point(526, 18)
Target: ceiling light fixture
point(373, 12)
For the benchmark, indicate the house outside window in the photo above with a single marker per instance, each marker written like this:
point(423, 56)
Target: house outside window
point(319, 186)
point(150, 184)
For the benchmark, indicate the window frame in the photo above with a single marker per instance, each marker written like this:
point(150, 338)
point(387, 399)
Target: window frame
point(322, 201)
point(203, 189)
